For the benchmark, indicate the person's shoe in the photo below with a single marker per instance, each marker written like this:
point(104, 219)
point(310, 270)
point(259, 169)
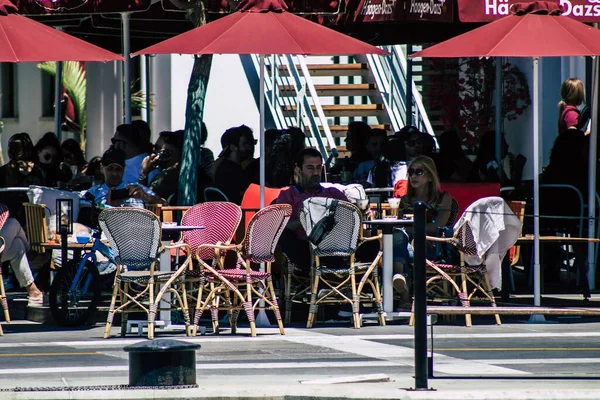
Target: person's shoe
point(106, 268)
point(35, 301)
point(399, 284)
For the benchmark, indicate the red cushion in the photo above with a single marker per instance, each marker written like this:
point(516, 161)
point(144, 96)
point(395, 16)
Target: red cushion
point(466, 193)
point(251, 200)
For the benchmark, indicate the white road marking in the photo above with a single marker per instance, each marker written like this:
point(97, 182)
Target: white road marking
point(401, 355)
point(525, 361)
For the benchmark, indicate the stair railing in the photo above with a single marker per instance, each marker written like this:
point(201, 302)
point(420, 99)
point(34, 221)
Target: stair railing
point(299, 91)
point(389, 73)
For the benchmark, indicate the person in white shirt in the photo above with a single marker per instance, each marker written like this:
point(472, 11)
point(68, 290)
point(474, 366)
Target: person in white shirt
point(129, 140)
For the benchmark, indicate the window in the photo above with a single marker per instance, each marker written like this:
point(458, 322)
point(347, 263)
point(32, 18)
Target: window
point(8, 90)
point(48, 82)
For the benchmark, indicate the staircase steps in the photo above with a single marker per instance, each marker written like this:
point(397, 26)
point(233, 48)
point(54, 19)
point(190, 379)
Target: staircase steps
point(357, 69)
point(340, 130)
point(346, 110)
point(355, 89)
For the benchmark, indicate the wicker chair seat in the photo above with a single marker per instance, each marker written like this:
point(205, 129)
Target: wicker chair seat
point(457, 268)
point(359, 267)
point(144, 276)
point(240, 274)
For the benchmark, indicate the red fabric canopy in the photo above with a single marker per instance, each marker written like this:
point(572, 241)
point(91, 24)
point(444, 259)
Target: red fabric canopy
point(530, 35)
point(263, 27)
point(25, 40)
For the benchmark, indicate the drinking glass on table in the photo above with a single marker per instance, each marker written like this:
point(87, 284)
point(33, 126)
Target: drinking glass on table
point(394, 206)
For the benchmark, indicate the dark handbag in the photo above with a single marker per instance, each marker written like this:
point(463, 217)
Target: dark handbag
point(320, 230)
point(445, 252)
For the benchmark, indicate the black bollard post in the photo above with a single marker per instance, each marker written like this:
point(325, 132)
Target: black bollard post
point(419, 292)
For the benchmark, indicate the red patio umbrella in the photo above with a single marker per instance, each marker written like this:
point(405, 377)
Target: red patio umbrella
point(25, 40)
point(532, 30)
point(262, 27)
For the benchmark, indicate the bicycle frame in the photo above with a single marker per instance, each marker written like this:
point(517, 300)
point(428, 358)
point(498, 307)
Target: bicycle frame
point(104, 250)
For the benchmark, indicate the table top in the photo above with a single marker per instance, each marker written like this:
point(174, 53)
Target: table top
point(379, 190)
point(389, 221)
point(72, 246)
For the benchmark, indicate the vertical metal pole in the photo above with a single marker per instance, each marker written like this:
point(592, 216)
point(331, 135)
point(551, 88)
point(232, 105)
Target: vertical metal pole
point(592, 176)
point(126, 67)
point(409, 79)
point(261, 319)
point(420, 331)
point(537, 298)
point(148, 87)
point(57, 100)
point(498, 116)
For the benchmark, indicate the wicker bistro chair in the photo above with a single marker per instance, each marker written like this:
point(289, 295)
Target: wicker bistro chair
point(248, 286)
point(472, 269)
point(134, 235)
point(221, 220)
point(4, 214)
point(342, 240)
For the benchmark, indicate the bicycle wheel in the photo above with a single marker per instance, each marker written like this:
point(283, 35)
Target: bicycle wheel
point(72, 303)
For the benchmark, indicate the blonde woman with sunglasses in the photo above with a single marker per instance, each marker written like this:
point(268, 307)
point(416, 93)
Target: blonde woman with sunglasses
point(424, 185)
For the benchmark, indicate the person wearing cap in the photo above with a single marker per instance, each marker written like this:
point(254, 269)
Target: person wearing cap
point(161, 169)
point(129, 140)
point(113, 168)
point(230, 176)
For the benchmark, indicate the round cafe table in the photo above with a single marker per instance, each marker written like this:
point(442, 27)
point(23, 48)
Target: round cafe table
point(387, 226)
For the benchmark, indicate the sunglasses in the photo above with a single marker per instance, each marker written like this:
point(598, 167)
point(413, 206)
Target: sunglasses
point(417, 172)
point(413, 143)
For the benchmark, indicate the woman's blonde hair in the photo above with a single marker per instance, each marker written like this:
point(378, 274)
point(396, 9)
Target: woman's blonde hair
point(572, 93)
point(433, 188)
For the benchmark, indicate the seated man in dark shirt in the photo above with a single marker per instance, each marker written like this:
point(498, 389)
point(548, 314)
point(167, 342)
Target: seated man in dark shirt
point(230, 177)
point(293, 241)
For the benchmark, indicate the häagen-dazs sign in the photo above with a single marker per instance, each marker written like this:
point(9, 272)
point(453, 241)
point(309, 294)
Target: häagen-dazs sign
point(489, 10)
point(429, 10)
point(378, 10)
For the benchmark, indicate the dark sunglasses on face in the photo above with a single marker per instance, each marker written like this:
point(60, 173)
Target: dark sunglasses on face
point(417, 172)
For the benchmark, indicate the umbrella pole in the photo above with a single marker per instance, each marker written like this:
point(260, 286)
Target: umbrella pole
point(537, 299)
point(497, 119)
point(126, 67)
point(262, 320)
point(58, 100)
point(591, 273)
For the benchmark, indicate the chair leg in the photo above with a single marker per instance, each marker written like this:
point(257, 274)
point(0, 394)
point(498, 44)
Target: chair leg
point(248, 306)
point(312, 310)
point(355, 300)
point(3, 300)
point(124, 314)
point(288, 295)
point(411, 321)
point(152, 309)
point(111, 310)
point(275, 305)
point(490, 295)
point(186, 311)
point(463, 295)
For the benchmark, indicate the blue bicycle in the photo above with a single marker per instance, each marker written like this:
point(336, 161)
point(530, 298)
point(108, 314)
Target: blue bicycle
point(76, 289)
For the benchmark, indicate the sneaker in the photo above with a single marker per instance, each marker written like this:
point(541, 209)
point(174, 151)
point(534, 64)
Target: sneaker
point(106, 268)
point(37, 301)
point(399, 284)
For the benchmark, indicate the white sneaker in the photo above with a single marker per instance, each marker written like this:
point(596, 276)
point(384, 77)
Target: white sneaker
point(399, 284)
point(106, 267)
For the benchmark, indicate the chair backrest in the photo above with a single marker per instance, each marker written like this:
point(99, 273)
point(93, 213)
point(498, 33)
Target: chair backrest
point(264, 230)
point(467, 193)
point(36, 225)
point(212, 193)
point(4, 214)
point(343, 238)
point(133, 233)
point(517, 207)
point(156, 209)
point(454, 210)
point(561, 208)
point(220, 220)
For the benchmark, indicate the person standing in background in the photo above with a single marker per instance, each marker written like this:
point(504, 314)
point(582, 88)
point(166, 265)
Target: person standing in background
point(572, 95)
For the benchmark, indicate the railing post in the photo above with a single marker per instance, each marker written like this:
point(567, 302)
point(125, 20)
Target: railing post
point(409, 88)
point(419, 291)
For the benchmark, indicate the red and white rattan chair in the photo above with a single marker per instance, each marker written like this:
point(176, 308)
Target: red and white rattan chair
point(247, 285)
point(220, 220)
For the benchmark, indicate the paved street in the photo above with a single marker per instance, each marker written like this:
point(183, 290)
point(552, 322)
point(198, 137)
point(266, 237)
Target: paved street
point(524, 359)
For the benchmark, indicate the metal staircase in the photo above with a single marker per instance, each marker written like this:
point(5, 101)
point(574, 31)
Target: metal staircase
point(323, 97)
